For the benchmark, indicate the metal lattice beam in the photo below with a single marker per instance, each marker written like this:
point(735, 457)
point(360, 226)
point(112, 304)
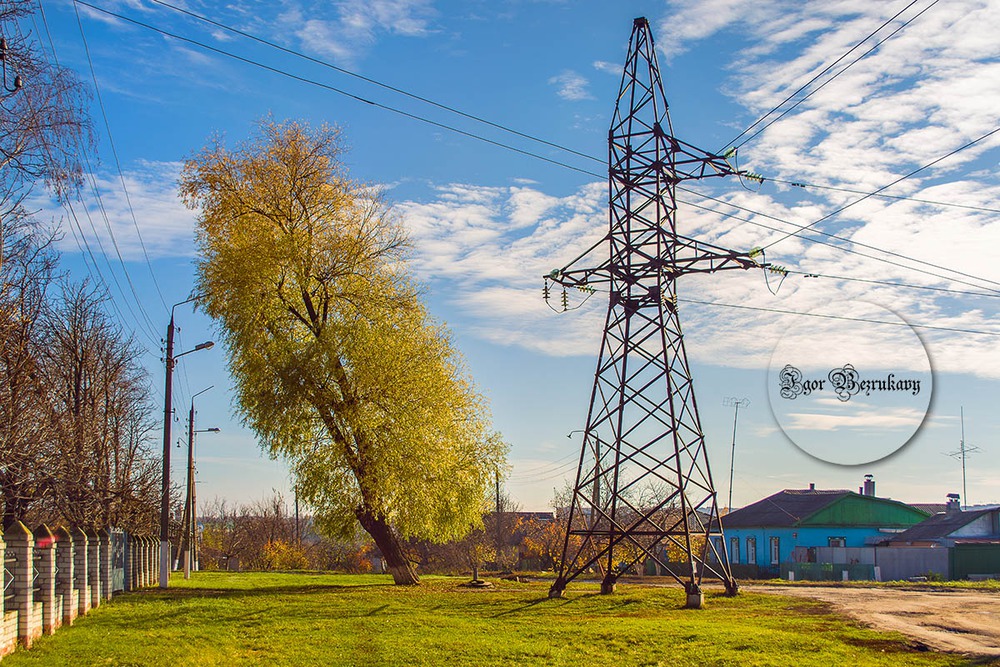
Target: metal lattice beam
point(643, 484)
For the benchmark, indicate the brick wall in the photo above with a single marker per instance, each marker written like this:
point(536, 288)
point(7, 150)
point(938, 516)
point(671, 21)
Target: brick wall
point(52, 577)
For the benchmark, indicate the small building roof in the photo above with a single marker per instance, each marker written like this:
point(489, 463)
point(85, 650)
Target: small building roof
point(931, 508)
point(785, 508)
point(821, 507)
point(939, 526)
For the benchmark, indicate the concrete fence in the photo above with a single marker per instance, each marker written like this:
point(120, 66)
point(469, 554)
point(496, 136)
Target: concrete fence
point(52, 577)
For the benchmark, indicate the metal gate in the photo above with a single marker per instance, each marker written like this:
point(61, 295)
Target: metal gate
point(119, 554)
point(9, 565)
point(968, 559)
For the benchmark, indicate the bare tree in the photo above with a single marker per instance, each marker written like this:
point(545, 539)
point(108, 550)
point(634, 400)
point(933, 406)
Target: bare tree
point(101, 470)
point(28, 263)
point(44, 125)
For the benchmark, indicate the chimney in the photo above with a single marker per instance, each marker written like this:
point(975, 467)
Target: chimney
point(869, 487)
point(812, 486)
point(953, 504)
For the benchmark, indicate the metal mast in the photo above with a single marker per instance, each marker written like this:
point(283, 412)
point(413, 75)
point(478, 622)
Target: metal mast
point(643, 486)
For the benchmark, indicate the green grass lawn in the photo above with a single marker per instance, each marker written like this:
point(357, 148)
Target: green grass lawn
point(321, 619)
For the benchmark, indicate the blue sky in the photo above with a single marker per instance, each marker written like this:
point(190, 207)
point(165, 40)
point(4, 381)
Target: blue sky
point(487, 222)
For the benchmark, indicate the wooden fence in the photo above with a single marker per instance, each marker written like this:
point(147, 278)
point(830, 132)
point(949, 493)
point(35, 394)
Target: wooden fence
point(52, 577)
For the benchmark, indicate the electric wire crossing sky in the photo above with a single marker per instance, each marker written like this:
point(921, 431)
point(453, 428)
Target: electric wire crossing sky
point(643, 486)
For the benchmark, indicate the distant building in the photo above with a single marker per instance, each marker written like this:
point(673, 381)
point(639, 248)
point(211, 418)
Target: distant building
point(954, 544)
point(803, 525)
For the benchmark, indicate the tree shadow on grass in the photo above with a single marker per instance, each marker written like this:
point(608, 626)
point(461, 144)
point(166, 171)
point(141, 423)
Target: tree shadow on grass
point(558, 602)
point(155, 594)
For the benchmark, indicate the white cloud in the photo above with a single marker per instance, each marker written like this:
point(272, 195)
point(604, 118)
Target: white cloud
point(864, 420)
point(692, 20)
point(608, 68)
point(492, 245)
point(358, 25)
point(571, 86)
point(161, 224)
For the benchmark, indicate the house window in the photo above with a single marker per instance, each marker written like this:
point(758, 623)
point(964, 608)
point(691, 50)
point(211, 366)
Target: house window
point(836, 541)
point(717, 545)
point(751, 549)
point(734, 549)
point(775, 551)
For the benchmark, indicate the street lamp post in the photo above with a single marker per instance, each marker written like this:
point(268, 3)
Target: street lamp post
point(170, 361)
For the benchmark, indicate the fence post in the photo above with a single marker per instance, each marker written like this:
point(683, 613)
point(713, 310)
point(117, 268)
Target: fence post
point(45, 547)
point(137, 561)
point(8, 617)
point(143, 562)
point(64, 577)
point(94, 567)
point(80, 571)
point(129, 566)
point(106, 564)
point(22, 543)
point(154, 545)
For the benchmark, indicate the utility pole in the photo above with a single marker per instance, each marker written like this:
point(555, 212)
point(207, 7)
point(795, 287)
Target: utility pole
point(165, 477)
point(736, 403)
point(643, 425)
point(169, 362)
point(186, 552)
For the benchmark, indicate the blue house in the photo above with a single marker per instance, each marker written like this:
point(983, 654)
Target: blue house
point(791, 525)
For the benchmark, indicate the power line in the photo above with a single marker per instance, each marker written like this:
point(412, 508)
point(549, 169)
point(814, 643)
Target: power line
point(518, 133)
point(114, 153)
point(827, 69)
point(93, 183)
point(67, 205)
point(836, 317)
point(849, 251)
point(500, 144)
point(339, 91)
point(889, 283)
point(898, 180)
point(375, 82)
point(841, 317)
point(880, 195)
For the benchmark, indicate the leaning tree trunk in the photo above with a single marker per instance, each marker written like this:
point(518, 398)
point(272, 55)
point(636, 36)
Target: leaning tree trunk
point(392, 551)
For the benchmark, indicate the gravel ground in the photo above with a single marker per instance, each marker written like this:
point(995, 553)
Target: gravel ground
point(962, 621)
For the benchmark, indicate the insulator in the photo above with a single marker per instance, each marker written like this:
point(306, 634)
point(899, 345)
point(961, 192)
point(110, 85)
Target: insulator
point(545, 290)
point(565, 299)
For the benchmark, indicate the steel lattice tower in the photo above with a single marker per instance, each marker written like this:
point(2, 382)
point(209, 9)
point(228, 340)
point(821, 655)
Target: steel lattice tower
point(643, 484)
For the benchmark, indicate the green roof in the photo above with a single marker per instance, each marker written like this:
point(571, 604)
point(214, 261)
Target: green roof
point(852, 509)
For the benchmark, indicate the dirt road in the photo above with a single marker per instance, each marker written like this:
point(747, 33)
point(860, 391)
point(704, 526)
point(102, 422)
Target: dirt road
point(965, 621)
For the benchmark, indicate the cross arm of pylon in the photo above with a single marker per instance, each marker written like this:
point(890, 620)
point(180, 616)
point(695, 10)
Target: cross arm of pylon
point(692, 256)
point(693, 163)
point(581, 278)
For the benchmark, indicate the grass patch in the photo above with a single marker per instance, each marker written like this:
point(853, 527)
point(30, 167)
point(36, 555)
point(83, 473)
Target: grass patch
point(322, 619)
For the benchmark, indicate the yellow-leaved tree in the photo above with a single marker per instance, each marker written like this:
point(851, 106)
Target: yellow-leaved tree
point(337, 364)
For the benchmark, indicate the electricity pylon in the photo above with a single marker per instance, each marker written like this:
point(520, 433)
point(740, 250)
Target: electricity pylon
point(643, 486)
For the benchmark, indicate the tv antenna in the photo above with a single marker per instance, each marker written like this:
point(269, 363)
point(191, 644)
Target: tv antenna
point(960, 454)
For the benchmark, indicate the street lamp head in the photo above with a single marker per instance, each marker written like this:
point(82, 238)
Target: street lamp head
point(207, 345)
point(214, 429)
